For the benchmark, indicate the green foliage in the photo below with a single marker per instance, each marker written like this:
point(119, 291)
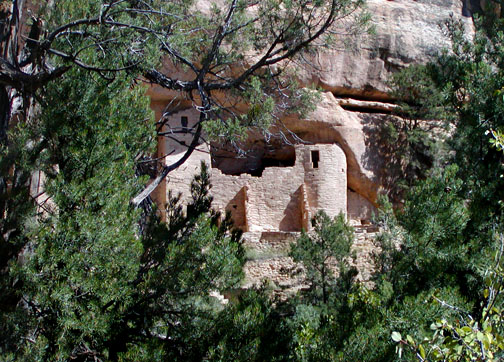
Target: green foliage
point(73, 268)
point(323, 252)
point(17, 162)
point(325, 314)
point(420, 97)
point(127, 35)
point(265, 106)
point(251, 329)
point(445, 231)
point(423, 252)
point(425, 243)
point(94, 284)
point(465, 338)
point(471, 76)
point(435, 216)
point(260, 113)
point(412, 147)
point(497, 139)
point(413, 137)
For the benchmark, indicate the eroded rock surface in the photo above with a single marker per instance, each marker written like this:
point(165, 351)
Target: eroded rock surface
point(406, 32)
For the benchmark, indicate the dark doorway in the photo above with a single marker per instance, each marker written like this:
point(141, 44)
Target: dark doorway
point(184, 122)
point(315, 158)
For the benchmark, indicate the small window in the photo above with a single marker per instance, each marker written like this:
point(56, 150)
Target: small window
point(315, 158)
point(184, 122)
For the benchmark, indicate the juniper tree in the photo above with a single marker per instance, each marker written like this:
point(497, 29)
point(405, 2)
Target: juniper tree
point(470, 77)
point(93, 286)
point(322, 314)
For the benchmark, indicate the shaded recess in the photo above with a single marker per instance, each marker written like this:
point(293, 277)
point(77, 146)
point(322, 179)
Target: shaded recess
point(364, 109)
point(259, 155)
point(293, 213)
point(237, 206)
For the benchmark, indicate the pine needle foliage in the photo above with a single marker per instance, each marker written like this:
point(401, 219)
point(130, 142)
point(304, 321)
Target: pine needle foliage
point(324, 252)
point(94, 285)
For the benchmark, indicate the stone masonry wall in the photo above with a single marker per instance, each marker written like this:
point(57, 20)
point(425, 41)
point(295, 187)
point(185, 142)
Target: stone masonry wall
point(267, 259)
point(281, 199)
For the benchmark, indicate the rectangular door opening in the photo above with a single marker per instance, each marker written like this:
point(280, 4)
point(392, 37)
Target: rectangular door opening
point(184, 123)
point(315, 157)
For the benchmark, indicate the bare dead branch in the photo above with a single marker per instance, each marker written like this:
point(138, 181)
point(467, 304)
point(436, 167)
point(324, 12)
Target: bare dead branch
point(137, 200)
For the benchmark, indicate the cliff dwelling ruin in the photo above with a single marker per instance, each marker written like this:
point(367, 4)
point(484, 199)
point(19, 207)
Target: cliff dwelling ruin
point(274, 189)
point(272, 192)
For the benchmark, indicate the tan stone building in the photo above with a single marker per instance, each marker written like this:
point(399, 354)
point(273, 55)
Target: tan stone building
point(272, 193)
point(279, 192)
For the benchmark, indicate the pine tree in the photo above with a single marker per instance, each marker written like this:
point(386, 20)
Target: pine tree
point(324, 252)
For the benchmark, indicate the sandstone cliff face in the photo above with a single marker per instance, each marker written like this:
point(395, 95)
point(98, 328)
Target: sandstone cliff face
point(406, 32)
point(355, 99)
point(271, 191)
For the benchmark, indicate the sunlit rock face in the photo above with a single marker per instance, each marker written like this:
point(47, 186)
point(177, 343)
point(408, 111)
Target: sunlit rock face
point(341, 166)
point(406, 32)
point(356, 99)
